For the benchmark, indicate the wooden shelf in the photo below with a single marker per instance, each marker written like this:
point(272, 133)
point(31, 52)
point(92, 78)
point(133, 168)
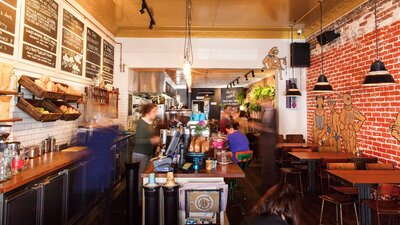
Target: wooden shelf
point(10, 120)
point(8, 92)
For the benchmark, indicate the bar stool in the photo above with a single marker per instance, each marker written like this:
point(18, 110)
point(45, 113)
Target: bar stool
point(339, 200)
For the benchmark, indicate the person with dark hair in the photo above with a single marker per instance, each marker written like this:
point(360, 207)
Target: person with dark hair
point(278, 206)
point(238, 142)
point(146, 139)
point(226, 118)
point(240, 118)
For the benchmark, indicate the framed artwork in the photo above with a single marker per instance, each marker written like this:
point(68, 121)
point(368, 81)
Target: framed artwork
point(291, 102)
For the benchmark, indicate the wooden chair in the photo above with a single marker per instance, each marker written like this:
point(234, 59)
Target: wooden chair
point(327, 149)
point(281, 138)
point(323, 166)
point(344, 189)
point(297, 171)
point(295, 138)
point(339, 200)
point(380, 166)
point(298, 164)
point(387, 201)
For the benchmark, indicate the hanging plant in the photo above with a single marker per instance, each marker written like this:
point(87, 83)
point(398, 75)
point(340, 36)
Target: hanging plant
point(241, 97)
point(259, 93)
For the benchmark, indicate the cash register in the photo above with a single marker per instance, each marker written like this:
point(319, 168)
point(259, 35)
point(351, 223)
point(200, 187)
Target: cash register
point(173, 156)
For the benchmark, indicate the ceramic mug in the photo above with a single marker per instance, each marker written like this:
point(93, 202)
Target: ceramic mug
point(4, 106)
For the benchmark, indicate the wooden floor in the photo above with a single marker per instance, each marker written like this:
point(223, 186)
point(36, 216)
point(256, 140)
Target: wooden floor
point(251, 186)
point(310, 204)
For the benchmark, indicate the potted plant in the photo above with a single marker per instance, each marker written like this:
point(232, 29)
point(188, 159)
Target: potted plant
point(257, 95)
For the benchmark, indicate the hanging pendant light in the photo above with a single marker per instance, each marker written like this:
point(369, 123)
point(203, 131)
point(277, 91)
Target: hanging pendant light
point(322, 84)
point(293, 91)
point(378, 74)
point(188, 51)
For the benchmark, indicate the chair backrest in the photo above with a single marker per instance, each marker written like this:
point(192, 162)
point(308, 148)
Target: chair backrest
point(341, 166)
point(281, 138)
point(327, 149)
point(380, 166)
point(301, 149)
point(295, 138)
point(244, 158)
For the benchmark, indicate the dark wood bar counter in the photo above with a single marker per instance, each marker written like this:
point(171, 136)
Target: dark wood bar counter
point(44, 165)
point(225, 171)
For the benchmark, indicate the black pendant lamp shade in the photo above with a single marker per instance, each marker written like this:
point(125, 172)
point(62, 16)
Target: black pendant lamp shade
point(378, 75)
point(293, 91)
point(322, 84)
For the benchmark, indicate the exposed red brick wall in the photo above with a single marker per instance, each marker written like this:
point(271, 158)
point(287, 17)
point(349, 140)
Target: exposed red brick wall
point(347, 61)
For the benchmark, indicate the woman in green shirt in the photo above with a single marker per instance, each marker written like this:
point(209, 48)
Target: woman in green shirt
point(146, 140)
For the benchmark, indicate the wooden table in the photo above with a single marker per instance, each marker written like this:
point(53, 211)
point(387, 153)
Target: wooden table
point(224, 171)
point(288, 146)
point(364, 179)
point(312, 157)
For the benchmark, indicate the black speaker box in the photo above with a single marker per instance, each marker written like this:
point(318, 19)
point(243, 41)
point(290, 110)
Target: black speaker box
point(300, 54)
point(327, 36)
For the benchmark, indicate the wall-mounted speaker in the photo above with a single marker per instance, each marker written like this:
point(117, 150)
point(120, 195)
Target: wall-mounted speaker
point(300, 54)
point(327, 36)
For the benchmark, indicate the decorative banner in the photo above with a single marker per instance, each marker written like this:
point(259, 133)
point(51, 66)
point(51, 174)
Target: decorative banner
point(72, 23)
point(71, 41)
point(71, 62)
point(42, 15)
point(7, 18)
point(92, 70)
point(93, 47)
point(39, 40)
point(38, 56)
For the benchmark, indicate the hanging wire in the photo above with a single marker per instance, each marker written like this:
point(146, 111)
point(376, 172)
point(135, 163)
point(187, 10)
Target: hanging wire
point(376, 31)
point(291, 38)
point(188, 50)
point(320, 38)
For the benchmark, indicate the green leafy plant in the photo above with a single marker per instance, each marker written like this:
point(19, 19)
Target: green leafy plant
point(241, 97)
point(259, 93)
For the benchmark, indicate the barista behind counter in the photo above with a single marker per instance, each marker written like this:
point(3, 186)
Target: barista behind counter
point(146, 138)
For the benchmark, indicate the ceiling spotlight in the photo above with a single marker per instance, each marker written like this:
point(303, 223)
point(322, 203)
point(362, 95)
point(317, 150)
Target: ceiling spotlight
point(246, 77)
point(237, 80)
point(252, 73)
point(152, 23)
point(233, 83)
point(227, 86)
point(262, 71)
point(230, 84)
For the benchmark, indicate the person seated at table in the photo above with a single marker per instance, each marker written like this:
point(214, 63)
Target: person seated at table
point(278, 206)
point(238, 142)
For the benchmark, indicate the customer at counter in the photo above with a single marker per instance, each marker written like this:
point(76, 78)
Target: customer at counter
point(240, 118)
point(146, 139)
point(226, 118)
point(238, 142)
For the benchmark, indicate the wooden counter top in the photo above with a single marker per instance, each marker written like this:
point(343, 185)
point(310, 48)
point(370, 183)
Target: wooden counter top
point(226, 171)
point(44, 165)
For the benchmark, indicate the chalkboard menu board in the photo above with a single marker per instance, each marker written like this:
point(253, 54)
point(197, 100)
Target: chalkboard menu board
point(42, 15)
point(40, 32)
point(72, 23)
point(7, 24)
point(93, 47)
point(72, 44)
point(92, 70)
point(229, 96)
point(108, 62)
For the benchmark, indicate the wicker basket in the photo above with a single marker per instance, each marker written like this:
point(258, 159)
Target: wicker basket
point(68, 97)
point(29, 107)
point(65, 116)
point(29, 83)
